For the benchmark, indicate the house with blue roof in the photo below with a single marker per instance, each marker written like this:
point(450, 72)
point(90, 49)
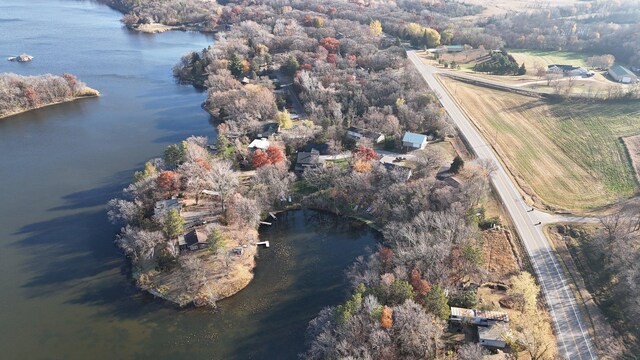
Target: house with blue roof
point(413, 141)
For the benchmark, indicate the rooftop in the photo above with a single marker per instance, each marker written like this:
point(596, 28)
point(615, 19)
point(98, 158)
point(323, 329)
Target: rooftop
point(414, 138)
point(621, 70)
point(262, 144)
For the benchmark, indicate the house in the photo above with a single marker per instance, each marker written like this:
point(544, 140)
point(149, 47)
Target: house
point(569, 70)
point(356, 134)
point(261, 144)
point(413, 141)
point(162, 207)
point(492, 336)
point(268, 129)
point(492, 325)
point(622, 74)
point(307, 160)
point(194, 240)
point(477, 317)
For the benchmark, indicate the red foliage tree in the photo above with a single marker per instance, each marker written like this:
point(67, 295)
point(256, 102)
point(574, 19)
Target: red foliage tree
point(275, 155)
point(331, 44)
point(420, 286)
point(386, 257)
point(169, 181)
point(259, 159)
point(71, 80)
point(365, 154)
point(31, 96)
point(332, 58)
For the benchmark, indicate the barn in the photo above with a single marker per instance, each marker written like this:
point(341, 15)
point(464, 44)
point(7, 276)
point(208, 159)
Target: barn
point(622, 74)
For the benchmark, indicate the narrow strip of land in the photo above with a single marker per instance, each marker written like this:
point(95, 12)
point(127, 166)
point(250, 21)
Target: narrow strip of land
point(574, 341)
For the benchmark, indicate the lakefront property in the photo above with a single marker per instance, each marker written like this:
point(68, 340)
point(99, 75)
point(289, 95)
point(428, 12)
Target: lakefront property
point(336, 179)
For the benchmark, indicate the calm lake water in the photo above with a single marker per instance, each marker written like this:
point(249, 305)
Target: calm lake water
point(64, 292)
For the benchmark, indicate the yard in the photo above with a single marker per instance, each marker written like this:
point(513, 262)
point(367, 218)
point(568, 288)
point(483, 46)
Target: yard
point(565, 155)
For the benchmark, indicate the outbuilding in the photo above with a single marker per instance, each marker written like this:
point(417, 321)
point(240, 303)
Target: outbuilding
point(413, 141)
point(622, 74)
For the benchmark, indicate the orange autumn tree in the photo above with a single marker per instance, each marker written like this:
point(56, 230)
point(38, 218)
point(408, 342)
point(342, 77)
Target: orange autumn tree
point(420, 286)
point(275, 155)
point(259, 159)
point(169, 181)
point(331, 44)
point(386, 319)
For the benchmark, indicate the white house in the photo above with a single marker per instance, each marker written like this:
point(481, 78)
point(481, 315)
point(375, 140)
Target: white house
point(413, 141)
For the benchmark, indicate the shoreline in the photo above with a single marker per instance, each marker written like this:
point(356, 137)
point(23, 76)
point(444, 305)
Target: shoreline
point(254, 263)
point(90, 93)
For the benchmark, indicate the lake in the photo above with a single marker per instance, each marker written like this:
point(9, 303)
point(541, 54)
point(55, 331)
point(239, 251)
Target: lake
point(64, 290)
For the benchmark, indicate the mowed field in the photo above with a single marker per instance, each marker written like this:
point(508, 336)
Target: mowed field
point(533, 57)
point(566, 155)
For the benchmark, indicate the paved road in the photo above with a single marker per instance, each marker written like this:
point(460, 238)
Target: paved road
point(574, 341)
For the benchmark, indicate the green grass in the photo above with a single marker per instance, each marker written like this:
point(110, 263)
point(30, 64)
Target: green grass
point(592, 132)
point(530, 57)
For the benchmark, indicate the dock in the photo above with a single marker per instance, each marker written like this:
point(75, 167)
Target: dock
point(265, 243)
point(265, 223)
point(273, 216)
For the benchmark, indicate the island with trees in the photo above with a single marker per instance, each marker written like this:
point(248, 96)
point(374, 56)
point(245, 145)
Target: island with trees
point(23, 93)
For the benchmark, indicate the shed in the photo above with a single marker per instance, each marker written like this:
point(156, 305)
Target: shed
point(356, 134)
point(622, 74)
point(413, 141)
point(196, 240)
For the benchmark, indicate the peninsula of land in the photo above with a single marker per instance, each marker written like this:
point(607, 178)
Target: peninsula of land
point(19, 93)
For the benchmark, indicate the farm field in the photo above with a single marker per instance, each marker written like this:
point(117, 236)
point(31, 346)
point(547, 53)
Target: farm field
point(566, 156)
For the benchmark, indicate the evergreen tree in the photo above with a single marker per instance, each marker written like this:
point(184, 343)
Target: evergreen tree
point(174, 225)
point(457, 164)
point(436, 303)
point(235, 65)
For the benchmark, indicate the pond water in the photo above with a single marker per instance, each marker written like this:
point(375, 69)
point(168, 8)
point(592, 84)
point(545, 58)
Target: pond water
point(64, 291)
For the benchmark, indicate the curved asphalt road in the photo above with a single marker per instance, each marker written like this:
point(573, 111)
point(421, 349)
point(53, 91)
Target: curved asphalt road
point(574, 341)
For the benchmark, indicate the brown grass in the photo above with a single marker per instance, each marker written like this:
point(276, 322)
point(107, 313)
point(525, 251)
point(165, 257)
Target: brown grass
point(499, 255)
point(565, 156)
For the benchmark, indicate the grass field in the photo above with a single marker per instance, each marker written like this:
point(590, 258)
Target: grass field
point(531, 57)
point(570, 155)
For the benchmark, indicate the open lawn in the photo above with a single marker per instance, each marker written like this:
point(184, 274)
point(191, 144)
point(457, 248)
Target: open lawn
point(566, 155)
point(533, 57)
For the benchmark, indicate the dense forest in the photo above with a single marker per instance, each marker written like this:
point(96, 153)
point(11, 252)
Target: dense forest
point(20, 93)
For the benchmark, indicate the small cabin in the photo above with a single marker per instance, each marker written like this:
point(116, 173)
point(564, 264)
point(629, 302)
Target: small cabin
point(357, 134)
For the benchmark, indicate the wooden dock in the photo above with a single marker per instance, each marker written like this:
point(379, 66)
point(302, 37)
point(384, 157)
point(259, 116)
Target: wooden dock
point(265, 243)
